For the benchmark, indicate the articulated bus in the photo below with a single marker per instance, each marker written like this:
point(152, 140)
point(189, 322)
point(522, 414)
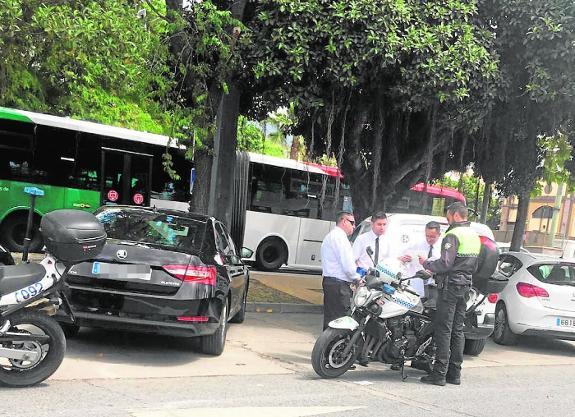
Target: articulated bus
point(285, 221)
point(80, 165)
point(278, 210)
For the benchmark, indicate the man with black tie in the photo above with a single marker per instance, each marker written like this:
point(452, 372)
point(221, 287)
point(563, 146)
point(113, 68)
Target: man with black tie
point(375, 239)
point(430, 248)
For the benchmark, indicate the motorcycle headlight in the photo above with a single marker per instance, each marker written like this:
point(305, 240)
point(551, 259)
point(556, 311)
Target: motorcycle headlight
point(361, 296)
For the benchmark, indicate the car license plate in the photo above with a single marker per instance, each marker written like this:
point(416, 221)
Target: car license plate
point(121, 271)
point(566, 322)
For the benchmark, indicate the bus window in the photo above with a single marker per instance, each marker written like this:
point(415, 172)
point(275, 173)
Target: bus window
point(330, 206)
point(267, 190)
point(113, 176)
point(16, 165)
point(140, 179)
point(87, 163)
point(16, 150)
point(163, 186)
point(54, 156)
point(301, 196)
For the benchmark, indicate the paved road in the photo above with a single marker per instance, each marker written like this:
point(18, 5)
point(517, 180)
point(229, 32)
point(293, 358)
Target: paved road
point(265, 371)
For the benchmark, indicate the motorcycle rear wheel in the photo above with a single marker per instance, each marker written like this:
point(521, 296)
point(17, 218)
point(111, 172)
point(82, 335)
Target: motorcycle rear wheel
point(21, 374)
point(327, 355)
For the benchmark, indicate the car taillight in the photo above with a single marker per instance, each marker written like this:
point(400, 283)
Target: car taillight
point(191, 273)
point(492, 298)
point(529, 290)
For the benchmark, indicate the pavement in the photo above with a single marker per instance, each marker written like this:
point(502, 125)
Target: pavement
point(265, 370)
point(305, 287)
point(265, 344)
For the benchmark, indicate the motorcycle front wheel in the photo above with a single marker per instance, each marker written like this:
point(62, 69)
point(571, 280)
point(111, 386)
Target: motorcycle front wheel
point(327, 357)
point(48, 355)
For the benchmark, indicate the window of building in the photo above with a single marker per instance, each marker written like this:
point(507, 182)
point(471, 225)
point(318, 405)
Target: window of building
point(543, 212)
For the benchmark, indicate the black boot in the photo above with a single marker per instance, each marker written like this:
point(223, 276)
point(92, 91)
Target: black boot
point(362, 360)
point(433, 378)
point(422, 365)
point(453, 377)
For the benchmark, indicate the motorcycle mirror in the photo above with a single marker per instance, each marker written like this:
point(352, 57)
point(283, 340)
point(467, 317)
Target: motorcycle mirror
point(370, 254)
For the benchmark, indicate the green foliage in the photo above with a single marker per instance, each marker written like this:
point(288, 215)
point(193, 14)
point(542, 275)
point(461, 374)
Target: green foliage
point(535, 96)
point(419, 50)
point(204, 41)
point(379, 85)
point(251, 139)
point(558, 152)
point(89, 59)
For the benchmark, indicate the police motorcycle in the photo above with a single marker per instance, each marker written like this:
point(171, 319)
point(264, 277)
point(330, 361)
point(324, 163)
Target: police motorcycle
point(390, 323)
point(32, 343)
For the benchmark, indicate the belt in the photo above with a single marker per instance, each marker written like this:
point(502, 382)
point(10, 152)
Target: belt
point(337, 279)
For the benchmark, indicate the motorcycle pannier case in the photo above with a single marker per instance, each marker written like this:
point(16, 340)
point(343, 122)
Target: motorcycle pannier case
point(485, 278)
point(72, 235)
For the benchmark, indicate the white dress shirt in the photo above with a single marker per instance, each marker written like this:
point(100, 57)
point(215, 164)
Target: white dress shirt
point(337, 256)
point(368, 239)
point(411, 268)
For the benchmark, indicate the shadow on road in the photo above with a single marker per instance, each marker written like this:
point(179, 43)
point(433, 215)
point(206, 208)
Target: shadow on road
point(133, 348)
point(542, 346)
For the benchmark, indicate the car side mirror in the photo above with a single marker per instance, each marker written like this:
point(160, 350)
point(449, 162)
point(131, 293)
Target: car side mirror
point(246, 253)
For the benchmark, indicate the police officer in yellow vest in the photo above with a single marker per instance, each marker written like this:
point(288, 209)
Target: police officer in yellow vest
point(453, 271)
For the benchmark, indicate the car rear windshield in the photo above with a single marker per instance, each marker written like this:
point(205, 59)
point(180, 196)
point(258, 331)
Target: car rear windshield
point(554, 273)
point(154, 228)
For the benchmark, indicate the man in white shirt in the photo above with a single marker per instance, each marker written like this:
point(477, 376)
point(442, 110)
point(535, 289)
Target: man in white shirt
point(374, 239)
point(338, 268)
point(429, 248)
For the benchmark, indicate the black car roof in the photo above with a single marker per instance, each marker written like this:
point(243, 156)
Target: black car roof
point(170, 212)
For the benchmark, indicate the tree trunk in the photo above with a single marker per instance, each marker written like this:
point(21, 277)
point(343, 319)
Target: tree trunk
point(294, 150)
point(225, 143)
point(477, 189)
point(519, 229)
point(201, 194)
point(485, 203)
point(223, 168)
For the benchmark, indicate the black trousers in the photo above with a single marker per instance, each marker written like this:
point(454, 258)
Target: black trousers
point(448, 329)
point(336, 299)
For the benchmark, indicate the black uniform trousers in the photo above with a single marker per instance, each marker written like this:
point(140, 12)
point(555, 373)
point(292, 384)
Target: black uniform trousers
point(448, 329)
point(336, 299)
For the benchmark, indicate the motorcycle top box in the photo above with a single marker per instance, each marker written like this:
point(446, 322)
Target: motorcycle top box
point(73, 235)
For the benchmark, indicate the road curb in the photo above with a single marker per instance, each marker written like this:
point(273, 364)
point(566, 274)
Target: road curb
point(284, 308)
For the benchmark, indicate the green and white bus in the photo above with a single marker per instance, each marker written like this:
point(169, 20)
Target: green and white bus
point(80, 165)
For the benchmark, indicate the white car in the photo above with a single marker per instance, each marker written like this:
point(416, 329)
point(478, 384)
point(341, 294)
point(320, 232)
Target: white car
point(538, 300)
point(504, 247)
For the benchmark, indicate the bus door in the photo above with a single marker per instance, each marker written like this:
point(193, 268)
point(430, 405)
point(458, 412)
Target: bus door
point(126, 177)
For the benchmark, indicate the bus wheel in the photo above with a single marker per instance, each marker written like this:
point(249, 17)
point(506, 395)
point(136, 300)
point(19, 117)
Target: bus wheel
point(13, 231)
point(271, 254)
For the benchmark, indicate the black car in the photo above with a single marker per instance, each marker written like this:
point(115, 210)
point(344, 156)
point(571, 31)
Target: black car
point(161, 271)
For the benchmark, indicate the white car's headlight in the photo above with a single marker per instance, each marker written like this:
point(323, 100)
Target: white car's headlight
point(361, 296)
